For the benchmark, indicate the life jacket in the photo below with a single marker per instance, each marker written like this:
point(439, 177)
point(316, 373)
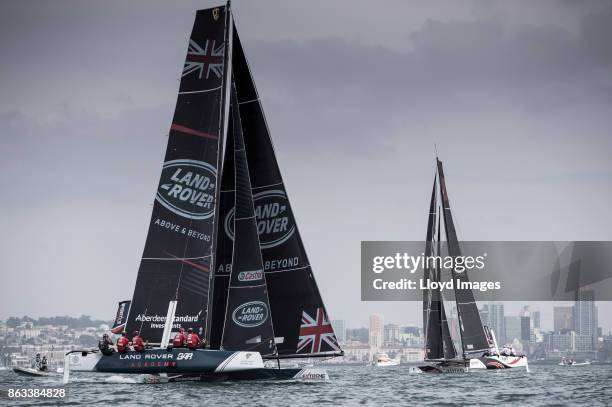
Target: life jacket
point(138, 343)
point(122, 344)
point(193, 340)
point(179, 340)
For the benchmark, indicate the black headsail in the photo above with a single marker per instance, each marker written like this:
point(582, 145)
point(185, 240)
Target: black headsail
point(177, 254)
point(473, 336)
point(301, 325)
point(248, 323)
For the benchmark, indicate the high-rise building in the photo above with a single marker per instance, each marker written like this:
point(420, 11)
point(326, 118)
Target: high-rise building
point(585, 315)
point(525, 329)
point(496, 321)
point(563, 319)
point(513, 328)
point(339, 330)
point(535, 319)
point(376, 331)
point(392, 333)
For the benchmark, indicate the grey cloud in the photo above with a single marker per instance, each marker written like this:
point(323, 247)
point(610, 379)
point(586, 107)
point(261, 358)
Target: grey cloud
point(516, 94)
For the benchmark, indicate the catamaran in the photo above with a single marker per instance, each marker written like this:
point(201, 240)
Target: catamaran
point(478, 345)
point(223, 253)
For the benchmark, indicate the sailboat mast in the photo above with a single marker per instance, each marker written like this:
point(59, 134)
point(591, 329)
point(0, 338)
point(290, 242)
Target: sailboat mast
point(223, 126)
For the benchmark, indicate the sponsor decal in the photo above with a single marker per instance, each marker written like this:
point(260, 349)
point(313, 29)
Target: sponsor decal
point(187, 188)
point(274, 225)
point(184, 356)
point(250, 314)
point(159, 321)
point(250, 275)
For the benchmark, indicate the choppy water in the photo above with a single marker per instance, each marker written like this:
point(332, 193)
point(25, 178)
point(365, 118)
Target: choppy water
point(350, 385)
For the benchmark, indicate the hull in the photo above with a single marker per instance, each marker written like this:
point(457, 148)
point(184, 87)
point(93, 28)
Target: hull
point(27, 371)
point(158, 361)
point(476, 364)
point(386, 363)
point(575, 364)
point(264, 374)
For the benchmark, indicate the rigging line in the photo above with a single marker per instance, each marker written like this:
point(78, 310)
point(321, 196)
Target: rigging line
point(248, 101)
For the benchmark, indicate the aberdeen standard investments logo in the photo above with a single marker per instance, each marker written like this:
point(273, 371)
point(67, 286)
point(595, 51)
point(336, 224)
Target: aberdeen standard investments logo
point(274, 225)
point(250, 314)
point(187, 188)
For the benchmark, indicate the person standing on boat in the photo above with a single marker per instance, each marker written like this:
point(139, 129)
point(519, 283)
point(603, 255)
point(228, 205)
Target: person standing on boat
point(180, 339)
point(43, 364)
point(193, 340)
point(122, 343)
point(106, 345)
point(137, 342)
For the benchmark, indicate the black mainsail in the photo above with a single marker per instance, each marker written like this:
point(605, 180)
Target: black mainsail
point(176, 261)
point(473, 335)
point(301, 325)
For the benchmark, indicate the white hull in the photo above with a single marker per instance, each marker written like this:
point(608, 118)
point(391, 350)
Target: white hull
point(385, 363)
point(476, 364)
point(575, 364)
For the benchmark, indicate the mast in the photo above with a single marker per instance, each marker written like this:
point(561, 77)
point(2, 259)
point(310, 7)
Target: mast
point(431, 302)
point(223, 121)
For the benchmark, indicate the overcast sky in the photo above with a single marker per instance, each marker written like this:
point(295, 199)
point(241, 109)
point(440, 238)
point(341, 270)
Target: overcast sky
point(516, 94)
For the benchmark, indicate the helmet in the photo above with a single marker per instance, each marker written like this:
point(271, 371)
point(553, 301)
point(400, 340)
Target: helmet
point(105, 336)
point(190, 330)
point(136, 332)
point(181, 330)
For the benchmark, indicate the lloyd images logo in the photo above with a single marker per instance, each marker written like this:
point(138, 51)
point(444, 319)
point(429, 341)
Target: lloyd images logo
point(274, 225)
point(187, 188)
point(250, 314)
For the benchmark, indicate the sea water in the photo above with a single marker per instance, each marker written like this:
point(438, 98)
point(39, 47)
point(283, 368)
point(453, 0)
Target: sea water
point(348, 385)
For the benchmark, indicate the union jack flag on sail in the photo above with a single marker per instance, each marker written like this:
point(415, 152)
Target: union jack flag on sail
point(205, 59)
point(316, 334)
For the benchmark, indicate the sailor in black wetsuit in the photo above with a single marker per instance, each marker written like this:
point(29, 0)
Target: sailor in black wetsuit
point(106, 345)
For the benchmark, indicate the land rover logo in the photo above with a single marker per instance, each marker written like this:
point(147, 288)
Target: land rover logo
point(250, 275)
point(274, 224)
point(251, 314)
point(187, 188)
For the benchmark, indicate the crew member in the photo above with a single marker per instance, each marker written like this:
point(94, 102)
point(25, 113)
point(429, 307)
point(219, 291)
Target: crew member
point(106, 345)
point(137, 342)
point(37, 361)
point(43, 364)
point(193, 340)
point(180, 339)
point(122, 343)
